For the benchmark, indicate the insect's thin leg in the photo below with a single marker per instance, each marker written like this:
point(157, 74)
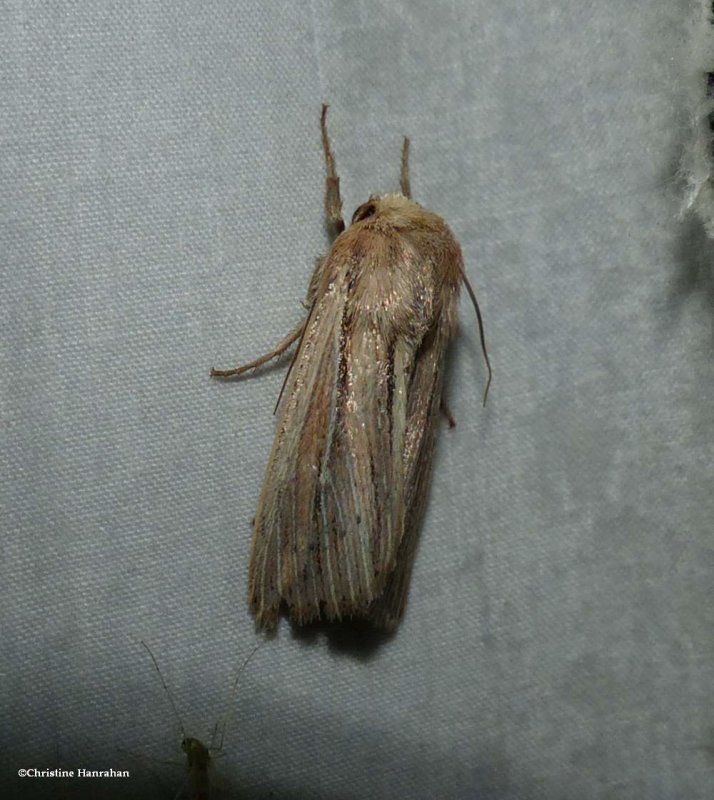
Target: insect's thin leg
point(446, 411)
point(333, 201)
point(293, 336)
point(214, 736)
point(404, 181)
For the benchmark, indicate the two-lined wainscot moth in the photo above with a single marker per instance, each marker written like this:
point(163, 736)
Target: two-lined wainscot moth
point(339, 513)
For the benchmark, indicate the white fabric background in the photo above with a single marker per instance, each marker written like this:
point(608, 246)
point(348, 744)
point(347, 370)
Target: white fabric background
point(161, 207)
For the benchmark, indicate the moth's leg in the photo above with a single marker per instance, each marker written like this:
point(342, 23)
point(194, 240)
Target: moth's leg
point(404, 181)
point(214, 738)
point(446, 411)
point(333, 201)
point(293, 336)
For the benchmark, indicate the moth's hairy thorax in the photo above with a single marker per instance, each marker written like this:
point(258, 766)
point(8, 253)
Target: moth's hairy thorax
point(399, 264)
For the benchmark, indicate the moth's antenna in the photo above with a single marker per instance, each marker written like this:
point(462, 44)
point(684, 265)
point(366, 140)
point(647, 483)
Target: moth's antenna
point(166, 688)
point(234, 691)
point(481, 334)
point(404, 182)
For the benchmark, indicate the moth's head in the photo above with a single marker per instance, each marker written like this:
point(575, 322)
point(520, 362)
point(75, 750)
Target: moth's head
point(394, 215)
point(395, 209)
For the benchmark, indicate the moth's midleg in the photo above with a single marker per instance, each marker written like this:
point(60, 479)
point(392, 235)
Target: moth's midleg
point(279, 349)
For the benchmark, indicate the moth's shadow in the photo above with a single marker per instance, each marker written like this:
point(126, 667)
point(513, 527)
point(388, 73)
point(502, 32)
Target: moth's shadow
point(694, 256)
point(354, 638)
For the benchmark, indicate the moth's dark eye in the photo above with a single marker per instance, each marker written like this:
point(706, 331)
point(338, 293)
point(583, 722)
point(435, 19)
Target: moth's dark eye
point(363, 212)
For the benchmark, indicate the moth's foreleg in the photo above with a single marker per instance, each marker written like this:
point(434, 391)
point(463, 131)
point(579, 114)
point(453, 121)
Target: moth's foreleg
point(333, 201)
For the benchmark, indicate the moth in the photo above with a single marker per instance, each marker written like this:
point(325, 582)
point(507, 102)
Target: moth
point(199, 756)
point(337, 523)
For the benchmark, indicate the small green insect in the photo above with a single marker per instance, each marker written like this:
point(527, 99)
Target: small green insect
point(199, 756)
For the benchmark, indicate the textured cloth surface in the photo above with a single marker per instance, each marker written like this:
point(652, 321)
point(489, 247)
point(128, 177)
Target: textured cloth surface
point(161, 208)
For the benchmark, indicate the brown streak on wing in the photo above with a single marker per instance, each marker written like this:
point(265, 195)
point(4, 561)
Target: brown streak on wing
point(423, 416)
point(283, 521)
